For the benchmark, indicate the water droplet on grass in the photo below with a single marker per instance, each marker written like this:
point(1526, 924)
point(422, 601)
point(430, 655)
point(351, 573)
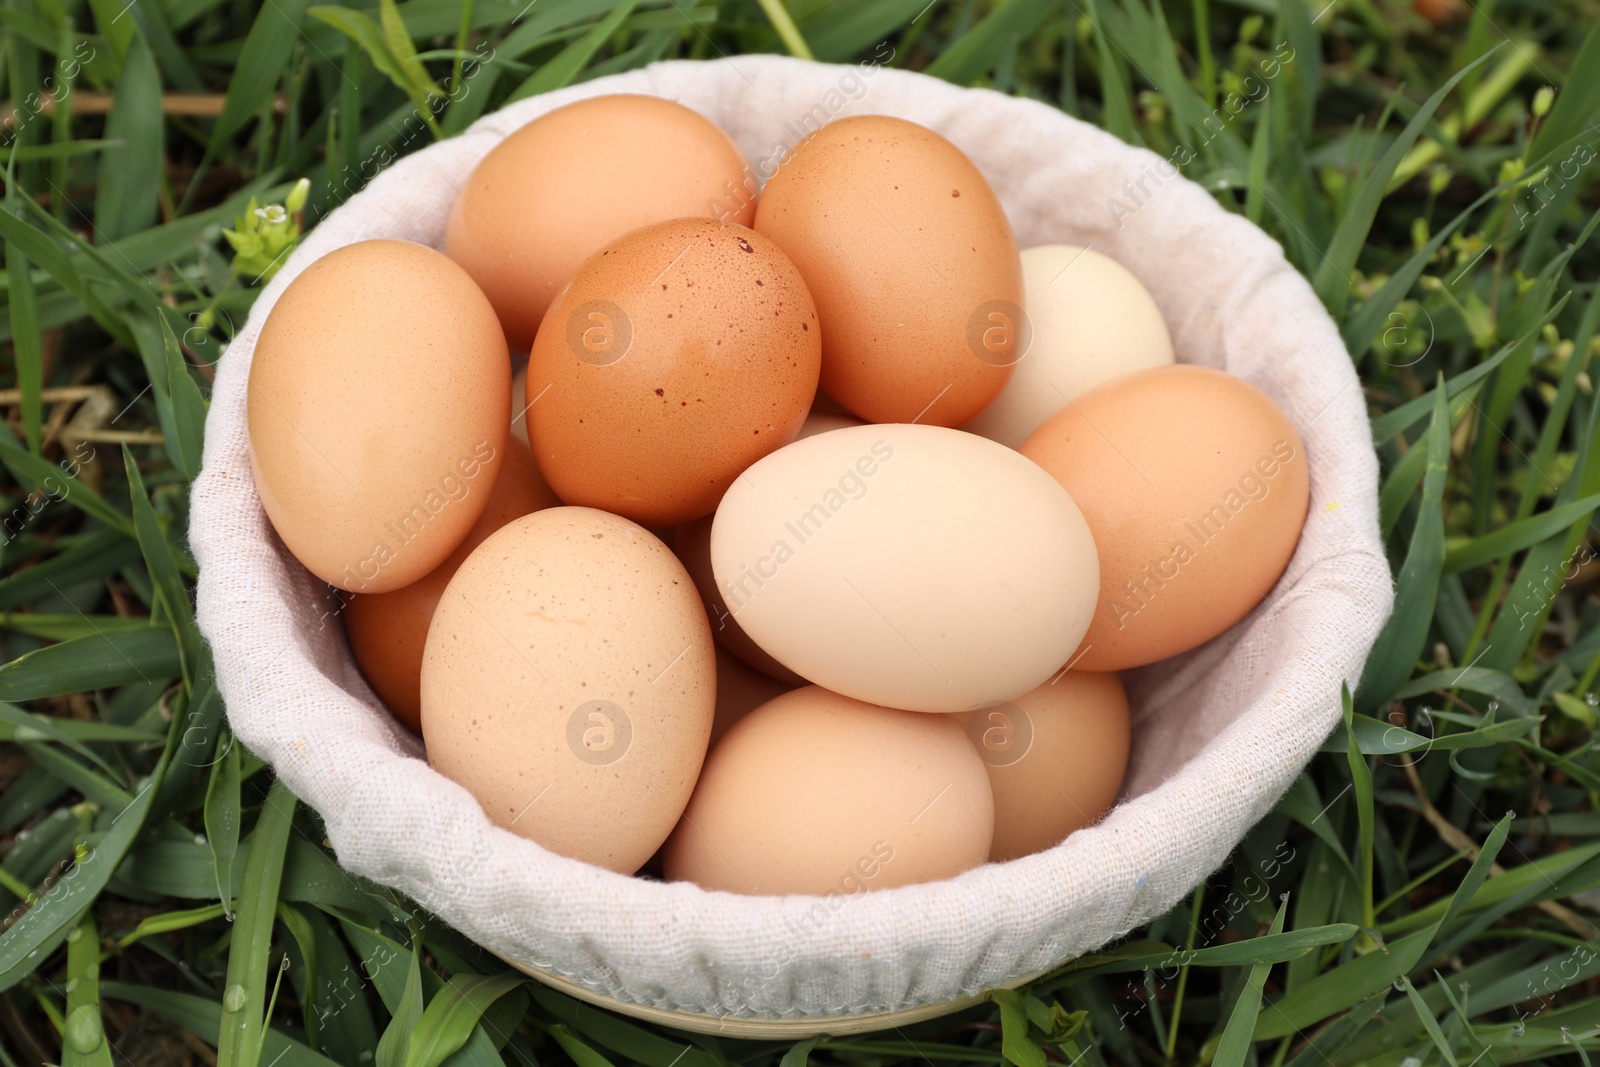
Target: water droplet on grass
point(233, 1000)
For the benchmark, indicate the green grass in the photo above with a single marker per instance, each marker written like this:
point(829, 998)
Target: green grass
point(163, 891)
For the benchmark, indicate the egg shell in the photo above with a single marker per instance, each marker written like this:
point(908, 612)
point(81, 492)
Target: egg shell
point(912, 566)
point(377, 413)
point(740, 690)
point(571, 181)
point(519, 404)
point(679, 355)
point(816, 793)
point(1090, 320)
point(1056, 758)
point(387, 631)
point(569, 684)
point(1195, 484)
point(692, 543)
point(912, 263)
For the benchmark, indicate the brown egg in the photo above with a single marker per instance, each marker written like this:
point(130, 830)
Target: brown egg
point(693, 546)
point(912, 264)
point(692, 543)
point(519, 404)
point(679, 355)
point(376, 411)
point(569, 684)
point(551, 194)
point(740, 690)
point(1056, 757)
point(1194, 484)
point(387, 631)
point(816, 793)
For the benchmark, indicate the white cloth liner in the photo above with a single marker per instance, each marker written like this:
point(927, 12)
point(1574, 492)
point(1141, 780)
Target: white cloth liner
point(1220, 732)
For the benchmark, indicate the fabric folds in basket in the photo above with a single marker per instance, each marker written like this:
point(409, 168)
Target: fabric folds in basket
point(1220, 733)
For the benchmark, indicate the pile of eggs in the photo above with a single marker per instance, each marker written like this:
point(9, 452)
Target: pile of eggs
point(802, 553)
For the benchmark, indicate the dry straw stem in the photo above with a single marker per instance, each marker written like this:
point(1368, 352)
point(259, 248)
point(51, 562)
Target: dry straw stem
point(1459, 841)
point(181, 105)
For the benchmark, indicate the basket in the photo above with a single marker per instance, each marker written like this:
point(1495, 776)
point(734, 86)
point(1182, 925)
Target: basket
point(1220, 733)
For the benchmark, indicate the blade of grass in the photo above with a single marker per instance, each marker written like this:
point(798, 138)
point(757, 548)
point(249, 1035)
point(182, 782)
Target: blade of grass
point(244, 996)
point(1332, 279)
point(222, 818)
point(1234, 1048)
point(1576, 105)
point(453, 1014)
point(88, 663)
point(1509, 540)
point(395, 1046)
point(26, 345)
point(567, 64)
point(84, 1042)
point(40, 473)
point(1406, 633)
point(42, 927)
point(788, 32)
point(205, 1019)
point(127, 200)
point(978, 51)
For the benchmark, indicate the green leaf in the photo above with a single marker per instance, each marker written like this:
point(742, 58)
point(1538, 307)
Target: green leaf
point(982, 48)
point(186, 431)
point(1332, 279)
point(1576, 105)
point(398, 38)
point(799, 1055)
point(1016, 1045)
point(1234, 1048)
point(266, 51)
point(582, 1055)
point(366, 34)
point(40, 249)
point(61, 484)
point(453, 1013)
point(66, 627)
point(222, 818)
point(1406, 633)
point(87, 558)
point(168, 921)
point(244, 996)
point(203, 1018)
point(1509, 540)
point(560, 71)
point(1361, 788)
point(632, 1042)
point(394, 1047)
point(1365, 975)
point(88, 663)
point(84, 1042)
point(26, 339)
point(130, 173)
point(162, 564)
point(1430, 1022)
point(42, 926)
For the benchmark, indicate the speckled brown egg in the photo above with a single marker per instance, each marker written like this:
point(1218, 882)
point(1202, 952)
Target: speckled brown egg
point(813, 792)
point(569, 684)
point(387, 631)
point(377, 413)
point(913, 266)
point(555, 191)
point(1056, 758)
point(679, 355)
